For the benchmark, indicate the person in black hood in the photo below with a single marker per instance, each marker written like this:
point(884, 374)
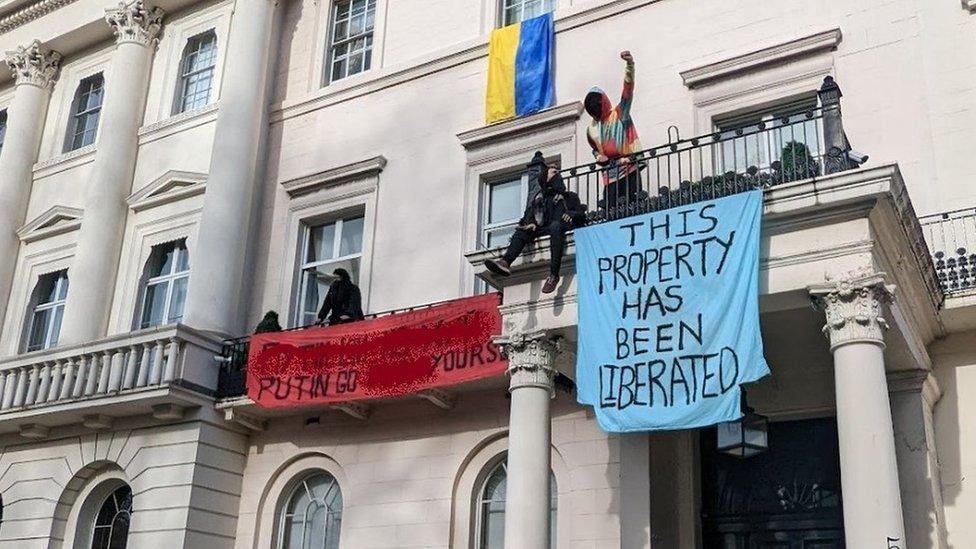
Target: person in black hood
point(551, 211)
point(343, 303)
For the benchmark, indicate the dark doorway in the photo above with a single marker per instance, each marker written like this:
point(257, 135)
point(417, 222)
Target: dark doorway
point(788, 497)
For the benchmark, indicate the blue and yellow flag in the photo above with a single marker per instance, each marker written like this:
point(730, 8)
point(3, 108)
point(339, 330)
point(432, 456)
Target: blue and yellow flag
point(520, 69)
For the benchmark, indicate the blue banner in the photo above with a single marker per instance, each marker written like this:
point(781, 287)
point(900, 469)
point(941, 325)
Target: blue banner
point(669, 315)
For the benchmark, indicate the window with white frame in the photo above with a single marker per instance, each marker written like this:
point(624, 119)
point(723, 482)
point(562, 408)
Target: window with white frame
point(47, 310)
point(503, 206)
point(782, 133)
point(3, 127)
point(197, 68)
point(164, 284)
point(312, 516)
point(516, 11)
point(85, 112)
point(351, 38)
point(325, 248)
point(490, 511)
point(111, 528)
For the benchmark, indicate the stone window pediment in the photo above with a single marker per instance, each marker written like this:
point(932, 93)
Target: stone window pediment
point(358, 173)
point(170, 187)
point(56, 220)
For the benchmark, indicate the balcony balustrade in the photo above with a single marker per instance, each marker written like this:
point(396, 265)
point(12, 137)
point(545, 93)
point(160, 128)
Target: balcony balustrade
point(952, 238)
point(122, 366)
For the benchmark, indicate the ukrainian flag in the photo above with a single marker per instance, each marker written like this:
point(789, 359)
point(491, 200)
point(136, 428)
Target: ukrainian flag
point(520, 69)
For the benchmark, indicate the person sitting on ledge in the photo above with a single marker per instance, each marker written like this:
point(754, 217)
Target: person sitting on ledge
point(343, 303)
point(550, 212)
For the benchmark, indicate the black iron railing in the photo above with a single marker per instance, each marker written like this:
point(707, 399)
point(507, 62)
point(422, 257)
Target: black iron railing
point(951, 237)
point(790, 147)
point(232, 380)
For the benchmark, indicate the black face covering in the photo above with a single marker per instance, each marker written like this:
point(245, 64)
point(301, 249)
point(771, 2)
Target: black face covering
point(593, 103)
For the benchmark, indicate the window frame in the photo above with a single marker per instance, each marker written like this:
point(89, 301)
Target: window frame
point(119, 510)
point(183, 76)
point(169, 279)
point(75, 114)
point(726, 124)
point(36, 306)
point(503, 9)
point(501, 464)
point(331, 44)
point(304, 265)
point(3, 127)
point(301, 483)
point(484, 226)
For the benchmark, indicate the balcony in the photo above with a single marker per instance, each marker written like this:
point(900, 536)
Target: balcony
point(952, 238)
point(159, 370)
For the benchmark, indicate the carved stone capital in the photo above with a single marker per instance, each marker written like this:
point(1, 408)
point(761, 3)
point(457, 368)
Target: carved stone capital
point(530, 359)
point(854, 309)
point(34, 65)
point(134, 22)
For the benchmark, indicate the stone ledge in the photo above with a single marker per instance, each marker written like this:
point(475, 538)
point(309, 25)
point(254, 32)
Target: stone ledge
point(735, 66)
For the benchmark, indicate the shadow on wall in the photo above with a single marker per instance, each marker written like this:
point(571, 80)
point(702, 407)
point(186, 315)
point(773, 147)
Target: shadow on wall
point(955, 370)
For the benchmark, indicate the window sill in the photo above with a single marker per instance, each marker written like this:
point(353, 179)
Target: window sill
point(65, 161)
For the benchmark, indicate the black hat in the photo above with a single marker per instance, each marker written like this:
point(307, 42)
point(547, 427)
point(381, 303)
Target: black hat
point(537, 160)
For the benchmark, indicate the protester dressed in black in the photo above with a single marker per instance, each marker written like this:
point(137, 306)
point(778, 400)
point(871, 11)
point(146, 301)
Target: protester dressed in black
point(343, 303)
point(551, 212)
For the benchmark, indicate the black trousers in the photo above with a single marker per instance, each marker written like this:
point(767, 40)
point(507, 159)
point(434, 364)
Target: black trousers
point(556, 231)
point(622, 193)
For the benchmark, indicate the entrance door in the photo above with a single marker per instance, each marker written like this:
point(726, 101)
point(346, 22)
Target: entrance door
point(788, 497)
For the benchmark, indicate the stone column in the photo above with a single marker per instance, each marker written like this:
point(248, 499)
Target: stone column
point(35, 70)
point(869, 470)
point(531, 371)
point(216, 290)
point(93, 271)
point(913, 395)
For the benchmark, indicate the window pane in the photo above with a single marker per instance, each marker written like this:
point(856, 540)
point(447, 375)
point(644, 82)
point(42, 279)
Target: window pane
point(3, 127)
point(352, 237)
point(183, 259)
point(177, 300)
point(56, 325)
point(321, 243)
point(154, 304)
point(38, 330)
point(505, 201)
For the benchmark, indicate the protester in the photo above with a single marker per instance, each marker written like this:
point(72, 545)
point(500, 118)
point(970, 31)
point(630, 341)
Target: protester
point(343, 303)
point(269, 323)
point(613, 138)
point(551, 211)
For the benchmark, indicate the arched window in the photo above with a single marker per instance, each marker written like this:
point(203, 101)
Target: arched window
point(85, 112)
point(47, 309)
point(196, 72)
point(312, 516)
point(111, 529)
point(491, 509)
point(164, 284)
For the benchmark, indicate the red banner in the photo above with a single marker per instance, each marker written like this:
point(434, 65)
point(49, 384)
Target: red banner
point(384, 357)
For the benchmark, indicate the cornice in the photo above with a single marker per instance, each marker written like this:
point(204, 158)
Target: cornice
point(29, 13)
point(358, 170)
point(174, 124)
point(65, 220)
point(568, 113)
point(733, 66)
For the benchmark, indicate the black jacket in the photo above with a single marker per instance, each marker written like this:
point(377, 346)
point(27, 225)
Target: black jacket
point(343, 299)
point(549, 202)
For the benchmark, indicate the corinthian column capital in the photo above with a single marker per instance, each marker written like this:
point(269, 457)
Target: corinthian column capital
point(134, 22)
point(854, 308)
point(34, 65)
point(530, 359)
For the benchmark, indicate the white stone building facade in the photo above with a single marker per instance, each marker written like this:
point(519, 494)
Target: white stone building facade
point(171, 170)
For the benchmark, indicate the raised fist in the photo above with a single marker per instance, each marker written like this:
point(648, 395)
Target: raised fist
point(626, 56)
